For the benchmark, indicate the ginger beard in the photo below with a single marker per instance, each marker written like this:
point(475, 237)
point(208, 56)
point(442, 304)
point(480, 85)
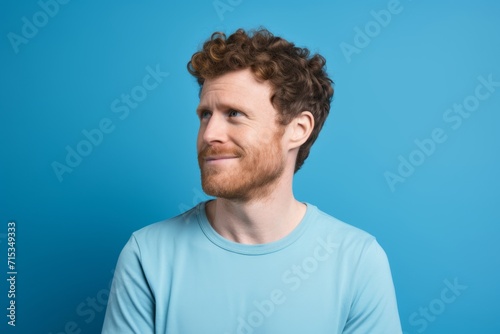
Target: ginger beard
point(258, 169)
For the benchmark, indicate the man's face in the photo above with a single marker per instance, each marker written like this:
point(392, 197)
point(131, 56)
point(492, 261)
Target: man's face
point(239, 145)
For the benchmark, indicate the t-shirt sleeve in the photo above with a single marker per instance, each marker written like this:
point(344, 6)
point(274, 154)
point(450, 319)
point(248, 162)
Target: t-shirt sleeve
point(131, 304)
point(374, 307)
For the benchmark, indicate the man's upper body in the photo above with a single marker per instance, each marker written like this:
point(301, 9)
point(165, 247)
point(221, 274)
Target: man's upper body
point(254, 260)
point(181, 276)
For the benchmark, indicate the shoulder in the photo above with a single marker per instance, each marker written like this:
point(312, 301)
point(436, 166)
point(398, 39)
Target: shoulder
point(349, 244)
point(167, 231)
point(342, 232)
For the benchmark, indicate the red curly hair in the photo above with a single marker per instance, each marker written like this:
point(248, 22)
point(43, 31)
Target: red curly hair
point(299, 81)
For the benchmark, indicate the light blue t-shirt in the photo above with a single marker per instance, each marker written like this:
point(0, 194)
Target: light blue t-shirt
point(179, 276)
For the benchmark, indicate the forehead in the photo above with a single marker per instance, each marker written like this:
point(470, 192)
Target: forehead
point(239, 87)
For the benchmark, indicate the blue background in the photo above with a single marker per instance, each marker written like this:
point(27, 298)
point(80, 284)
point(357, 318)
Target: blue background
point(439, 226)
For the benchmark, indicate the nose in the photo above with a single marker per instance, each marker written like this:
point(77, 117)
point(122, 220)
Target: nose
point(214, 130)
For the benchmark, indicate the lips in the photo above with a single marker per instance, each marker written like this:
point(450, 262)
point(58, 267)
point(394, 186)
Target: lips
point(214, 154)
point(216, 158)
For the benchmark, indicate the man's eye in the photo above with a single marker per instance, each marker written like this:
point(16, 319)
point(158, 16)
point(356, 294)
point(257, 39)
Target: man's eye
point(234, 113)
point(205, 114)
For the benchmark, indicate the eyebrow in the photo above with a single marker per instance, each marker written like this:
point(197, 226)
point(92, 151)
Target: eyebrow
point(223, 106)
point(201, 108)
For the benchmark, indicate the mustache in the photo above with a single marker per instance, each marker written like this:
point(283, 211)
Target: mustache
point(209, 151)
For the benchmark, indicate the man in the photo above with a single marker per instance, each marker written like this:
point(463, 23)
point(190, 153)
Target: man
point(254, 259)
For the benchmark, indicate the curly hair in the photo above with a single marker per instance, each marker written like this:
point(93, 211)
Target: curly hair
point(299, 81)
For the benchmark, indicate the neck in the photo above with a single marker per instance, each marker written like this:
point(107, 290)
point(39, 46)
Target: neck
point(257, 221)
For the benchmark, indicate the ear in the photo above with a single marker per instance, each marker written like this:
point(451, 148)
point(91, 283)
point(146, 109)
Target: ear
point(300, 129)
